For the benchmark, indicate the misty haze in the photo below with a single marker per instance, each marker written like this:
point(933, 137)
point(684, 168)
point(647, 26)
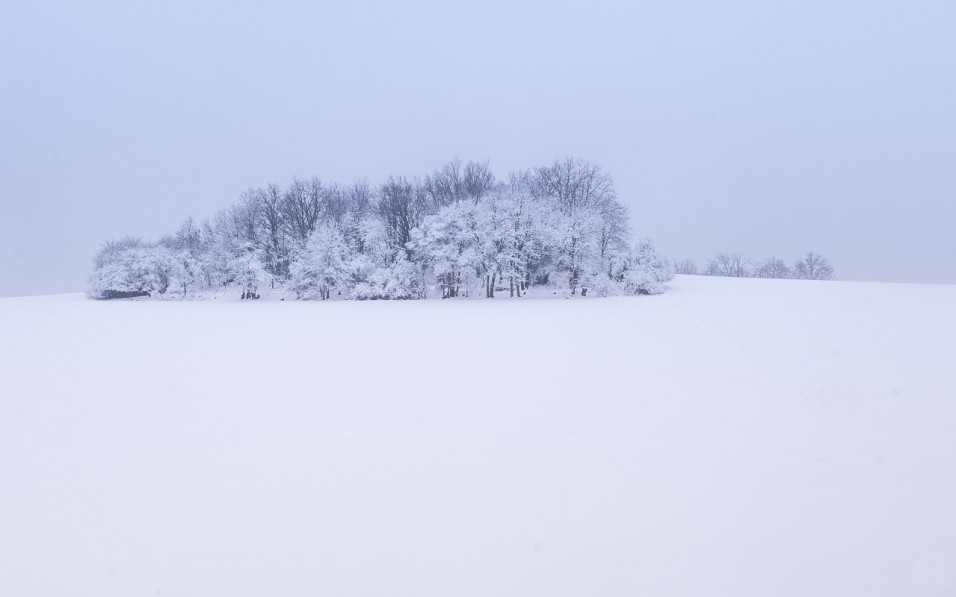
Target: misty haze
point(552, 299)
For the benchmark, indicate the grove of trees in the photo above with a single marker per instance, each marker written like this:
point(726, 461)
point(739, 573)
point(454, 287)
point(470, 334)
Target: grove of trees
point(812, 266)
point(458, 232)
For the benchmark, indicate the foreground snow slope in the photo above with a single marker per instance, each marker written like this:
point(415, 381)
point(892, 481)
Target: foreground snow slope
point(732, 437)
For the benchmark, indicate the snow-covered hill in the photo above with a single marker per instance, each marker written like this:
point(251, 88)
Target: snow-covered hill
point(731, 437)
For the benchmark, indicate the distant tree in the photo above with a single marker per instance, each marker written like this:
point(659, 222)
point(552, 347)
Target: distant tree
point(772, 268)
point(685, 267)
point(732, 265)
point(711, 268)
point(813, 266)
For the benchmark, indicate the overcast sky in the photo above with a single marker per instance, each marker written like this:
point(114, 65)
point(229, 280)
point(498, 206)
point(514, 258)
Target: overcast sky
point(766, 128)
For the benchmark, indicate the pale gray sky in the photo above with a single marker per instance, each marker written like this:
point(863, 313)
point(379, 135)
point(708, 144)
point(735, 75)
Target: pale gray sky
point(767, 128)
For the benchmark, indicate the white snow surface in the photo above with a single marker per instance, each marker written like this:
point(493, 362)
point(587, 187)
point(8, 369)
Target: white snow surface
point(731, 438)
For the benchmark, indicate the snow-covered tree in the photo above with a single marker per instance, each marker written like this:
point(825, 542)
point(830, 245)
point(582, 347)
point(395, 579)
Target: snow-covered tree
point(246, 270)
point(131, 268)
point(648, 272)
point(587, 223)
point(443, 242)
point(383, 270)
point(323, 266)
point(458, 230)
point(525, 235)
point(399, 280)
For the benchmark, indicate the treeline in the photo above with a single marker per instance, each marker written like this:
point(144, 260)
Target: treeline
point(455, 233)
point(812, 266)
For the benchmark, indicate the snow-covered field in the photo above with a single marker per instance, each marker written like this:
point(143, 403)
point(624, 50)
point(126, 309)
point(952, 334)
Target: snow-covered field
point(732, 438)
